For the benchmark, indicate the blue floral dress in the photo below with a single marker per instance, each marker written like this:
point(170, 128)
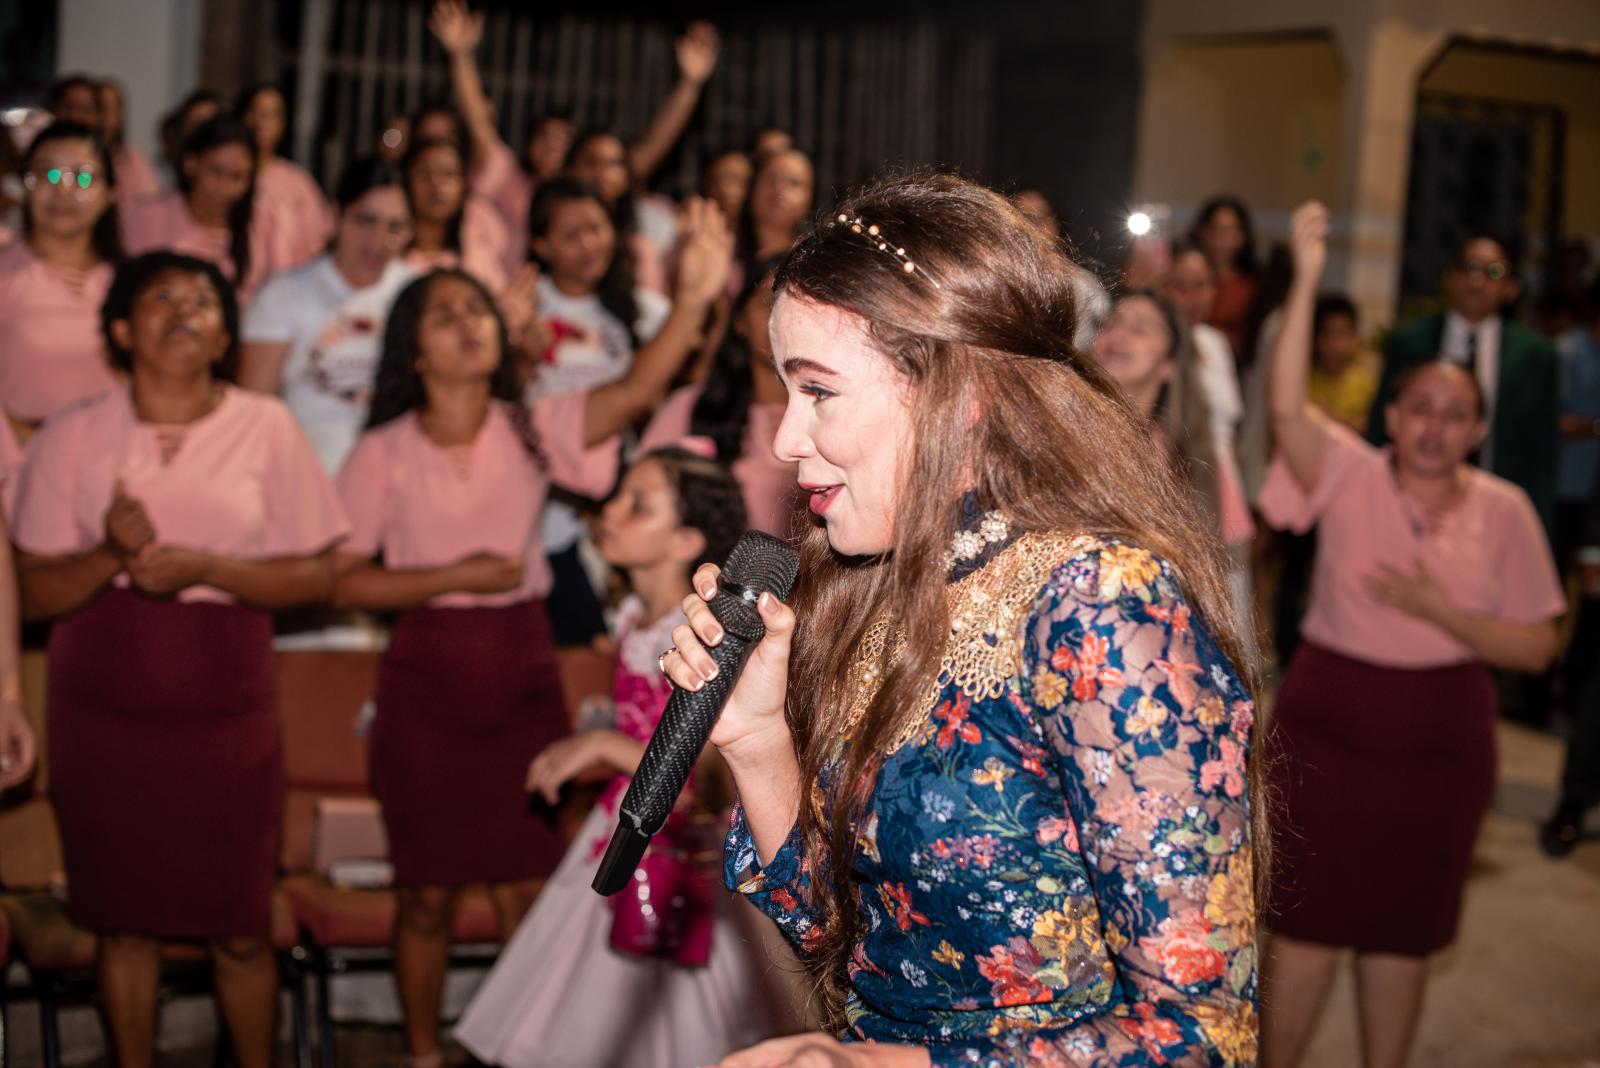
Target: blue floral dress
point(1055, 867)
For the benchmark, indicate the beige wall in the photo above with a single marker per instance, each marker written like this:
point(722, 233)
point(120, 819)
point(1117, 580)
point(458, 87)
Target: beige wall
point(1573, 85)
point(1262, 119)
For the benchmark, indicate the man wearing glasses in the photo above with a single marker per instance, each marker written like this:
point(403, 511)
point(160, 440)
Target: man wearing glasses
point(1518, 370)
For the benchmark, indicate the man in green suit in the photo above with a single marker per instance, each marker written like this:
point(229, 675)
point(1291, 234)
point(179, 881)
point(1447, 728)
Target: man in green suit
point(1518, 370)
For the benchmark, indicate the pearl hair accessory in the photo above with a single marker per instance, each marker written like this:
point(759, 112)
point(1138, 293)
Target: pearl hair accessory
point(875, 235)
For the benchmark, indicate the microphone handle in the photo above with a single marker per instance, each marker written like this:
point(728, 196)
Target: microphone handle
point(667, 763)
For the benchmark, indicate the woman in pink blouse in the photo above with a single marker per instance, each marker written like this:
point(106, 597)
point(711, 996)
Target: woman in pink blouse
point(159, 526)
point(214, 213)
point(284, 186)
point(451, 228)
point(1429, 572)
point(53, 280)
point(447, 487)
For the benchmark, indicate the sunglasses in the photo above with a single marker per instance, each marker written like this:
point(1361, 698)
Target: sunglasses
point(81, 179)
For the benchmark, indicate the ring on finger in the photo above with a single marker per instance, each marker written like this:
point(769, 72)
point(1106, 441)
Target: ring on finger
point(661, 661)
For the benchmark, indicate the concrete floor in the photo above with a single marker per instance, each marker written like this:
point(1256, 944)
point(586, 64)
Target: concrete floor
point(1521, 989)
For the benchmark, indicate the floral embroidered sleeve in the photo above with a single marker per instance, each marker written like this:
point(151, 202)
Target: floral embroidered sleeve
point(781, 888)
point(1148, 727)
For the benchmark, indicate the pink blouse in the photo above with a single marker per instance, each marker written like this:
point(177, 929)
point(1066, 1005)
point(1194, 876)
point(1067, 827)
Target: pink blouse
point(243, 482)
point(769, 485)
point(165, 223)
point(427, 506)
point(288, 189)
point(1489, 552)
point(52, 354)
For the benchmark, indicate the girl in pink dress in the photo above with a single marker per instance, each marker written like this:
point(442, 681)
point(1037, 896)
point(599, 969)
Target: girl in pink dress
point(160, 525)
point(54, 278)
point(547, 1001)
point(284, 186)
point(444, 493)
point(214, 213)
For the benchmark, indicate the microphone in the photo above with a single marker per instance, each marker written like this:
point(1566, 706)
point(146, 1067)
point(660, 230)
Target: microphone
point(758, 563)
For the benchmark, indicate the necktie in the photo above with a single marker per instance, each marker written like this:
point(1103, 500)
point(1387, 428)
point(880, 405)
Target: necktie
point(1472, 352)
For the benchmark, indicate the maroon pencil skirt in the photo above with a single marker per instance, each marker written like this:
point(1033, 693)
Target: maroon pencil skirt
point(1381, 778)
point(166, 762)
point(466, 698)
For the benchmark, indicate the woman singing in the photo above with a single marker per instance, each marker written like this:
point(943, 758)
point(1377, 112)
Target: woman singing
point(993, 765)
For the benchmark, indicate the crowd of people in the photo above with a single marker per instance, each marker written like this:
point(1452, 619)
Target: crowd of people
point(450, 408)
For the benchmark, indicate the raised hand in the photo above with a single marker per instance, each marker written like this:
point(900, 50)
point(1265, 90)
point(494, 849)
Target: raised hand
point(458, 29)
point(705, 254)
point(697, 52)
point(1308, 241)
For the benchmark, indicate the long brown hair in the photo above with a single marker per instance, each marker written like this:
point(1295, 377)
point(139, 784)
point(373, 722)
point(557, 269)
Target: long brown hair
point(1004, 406)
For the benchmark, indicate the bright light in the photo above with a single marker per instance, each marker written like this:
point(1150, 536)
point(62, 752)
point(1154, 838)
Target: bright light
point(1139, 224)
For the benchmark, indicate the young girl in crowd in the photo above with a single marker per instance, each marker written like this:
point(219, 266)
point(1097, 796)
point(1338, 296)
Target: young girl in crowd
point(738, 408)
point(599, 159)
point(543, 1005)
point(54, 278)
point(312, 334)
point(214, 214)
point(448, 485)
point(1145, 345)
point(284, 186)
point(451, 228)
point(1429, 572)
point(160, 525)
point(598, 319)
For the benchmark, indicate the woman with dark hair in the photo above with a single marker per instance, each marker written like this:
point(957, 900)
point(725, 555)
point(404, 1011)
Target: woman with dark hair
point(312, 334)
point(450, 227)
point(1429, 572)
point(198, 107)
point(993, 764)
point(448, 485)
point(54, 278)
point(599, 159)
point(1147, 347)
point(1223, 232)
point(598, 321)
point(778, 207)
point(136, 177)
point(214, 214)
point(727, 182)
point(281, 184)
point(160, 526)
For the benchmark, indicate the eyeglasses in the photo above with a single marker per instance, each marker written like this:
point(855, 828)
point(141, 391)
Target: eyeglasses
point(1492, 271)
point(81, 179)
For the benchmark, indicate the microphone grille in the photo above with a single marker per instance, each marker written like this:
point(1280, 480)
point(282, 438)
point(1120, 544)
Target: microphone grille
point(764, 564)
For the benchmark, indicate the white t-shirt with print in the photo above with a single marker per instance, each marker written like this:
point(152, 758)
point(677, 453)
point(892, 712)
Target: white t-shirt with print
point(591, 349)
point(335, 337)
